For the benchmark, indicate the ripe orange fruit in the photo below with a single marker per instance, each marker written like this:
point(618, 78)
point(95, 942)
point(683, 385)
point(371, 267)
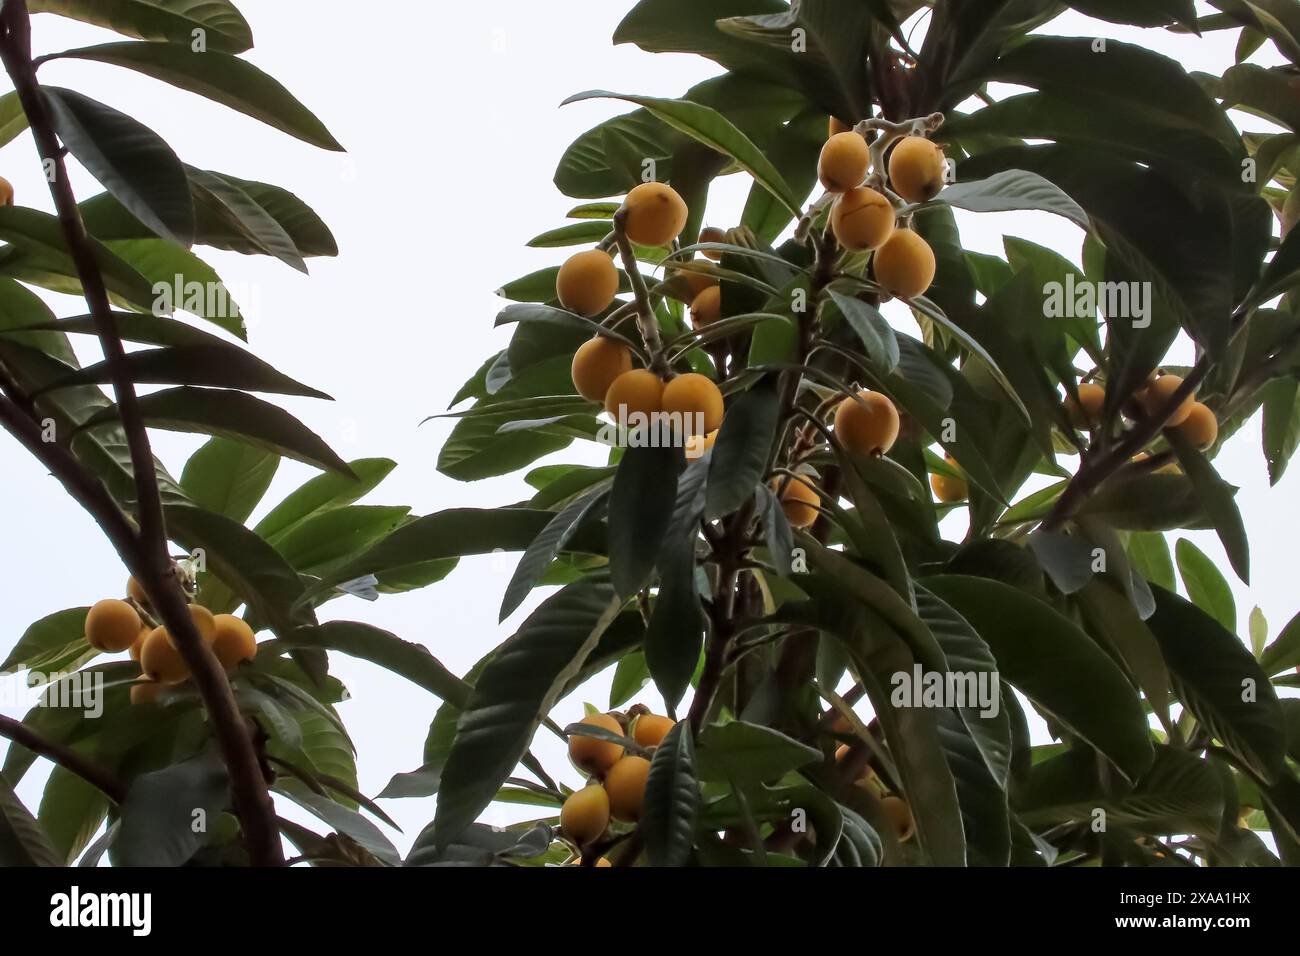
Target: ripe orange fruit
point(203, 620)
point(585, 814)
point(905, 264)
point(867, 425)
point(712, 234)
point(947, 488)
point(112, 626)
point(651, 729)
point(1157, 396)
point(625, 784)
point(597, 363)
point(234, 642)
point(1086, 412)
point(587, 282)
point(656, 214)
point(592, 754)
point(638, 391)
point(844, 162)
point(862, 219)
point(1201, 428)
point(160, 660)
point(916, 168)
point(692, 395)
point(800, 503)
point(706, 307)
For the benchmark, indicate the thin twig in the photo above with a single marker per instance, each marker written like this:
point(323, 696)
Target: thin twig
point(67, 758)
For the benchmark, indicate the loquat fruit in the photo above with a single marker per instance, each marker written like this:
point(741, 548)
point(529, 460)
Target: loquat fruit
point(687, 285)
point(868, 424)
point(135, 591)
point(234, 641)
point(112, 626)
point(1085, 413)
point(844, 162)
point(947, 488)
point(145, 692)
point(625, 784)
point(603, 861)
point(713, 234)
point(900, 815)
point(203, 621)
point(138, 645)
point(836, 125)
point(639, 390)
point(1201, 427)
point(706, 307)
point(597, 363)
point(6, 192)
point(585, 814)
point(916, 169)
point(651, 729)
point(587, 282)
point(905, 264)
point(800, 503)
point(862, 219)
point(593, 754)
point(656, 214)
point(690, 395)
point(1157, 395)
point(160, 660)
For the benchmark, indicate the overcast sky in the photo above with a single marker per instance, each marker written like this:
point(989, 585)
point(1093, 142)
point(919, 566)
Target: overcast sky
point(453, 129)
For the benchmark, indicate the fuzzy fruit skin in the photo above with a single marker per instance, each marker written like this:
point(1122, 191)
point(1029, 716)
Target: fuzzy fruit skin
point(706, 307)
point(1157, 395)
point(651, 729)
point(862, 219)
point(656, 214)
point(587, 282)
point(712, 234)
point(1086, 412)
point(947, 488)
point(138, 646)
point(596, 364)
point(625, 784)
point(136, 593)
point(203, 620)
point(691, 394)
point(800, 503)
point(594, 755)
point(145, 693)
point(112, 626)
point(160, 661)
point(234, 642)
point(1201, 427)
point(585, 815)
point(905, 264)
point(6, 192)
point(844, 162)
point(900, 815)
point(641, 390)
point(867, 425)
point(916, 168)
point(836, 125)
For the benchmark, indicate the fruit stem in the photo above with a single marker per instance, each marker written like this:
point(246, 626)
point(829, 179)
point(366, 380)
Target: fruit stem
point(646, 321)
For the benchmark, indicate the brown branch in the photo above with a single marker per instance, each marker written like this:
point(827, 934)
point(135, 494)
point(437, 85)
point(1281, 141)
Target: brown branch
point(67, 758)
point(646, 320)
point(147, 556)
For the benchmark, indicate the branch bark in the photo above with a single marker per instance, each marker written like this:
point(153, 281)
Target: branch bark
point(146, 553)
point(65, 757)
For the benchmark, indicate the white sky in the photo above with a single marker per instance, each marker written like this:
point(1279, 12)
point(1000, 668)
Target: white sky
point(454, 131)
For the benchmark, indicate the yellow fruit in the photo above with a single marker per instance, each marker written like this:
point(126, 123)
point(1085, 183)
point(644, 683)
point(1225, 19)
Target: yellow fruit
point(900, 815)
point(713, 234)
point(234, 642)
point(592, 754)
point(862, 219)
point(1200, 427)
point(1157, 396)
point(603, 861)
point(203, 620)
point(690, 395)
point(6, 192)
point(948, 488)
point(706, 307)
point(160, 661)
point(587, 282)
point(639, 390)
point(597, 363)
point(651, 729)
point(905, 264)
point(112, 626)
point(136, 593)
point(1086, 412)
point(867, 425)
point(686, 285)
point(656, 215)
point(844, 162)
point(585, 814)
point(625, 784)
point(138, 645)
point(145, 692)
point(1168, 469)
point(916, 168)
point(800, 503)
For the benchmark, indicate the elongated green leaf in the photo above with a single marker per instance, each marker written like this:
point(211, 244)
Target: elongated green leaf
point(672, 800)
point(22, 841)
point(249, 226)
point(50, 639)
point(743, 446)
point(746, 753)
point(871, 327)
point(1218, 500)
point(1014, 190)
point(229, 477)
point(218, 21)
point(13, 121)
point(158, 815)
point(323, 493)
point(217, 366)
point(547, 545)
point(1205, 585)
point(640, 507)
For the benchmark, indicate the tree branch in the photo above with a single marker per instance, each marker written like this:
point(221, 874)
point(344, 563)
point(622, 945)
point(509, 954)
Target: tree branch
point(146, 554)
point(65, 757)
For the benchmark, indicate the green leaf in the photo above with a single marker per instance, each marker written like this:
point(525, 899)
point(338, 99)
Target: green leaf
point(745, 753)
point(13, 121)
point(22, 841)
point(640, 506)
point(1047, 657)
point(1014, 190)
point(222, 26)
point(1257, 624)
point(715, 131)
point(229, 477)
point(518, 687)
point(71, 811)
point(630, 676)
point(547, 546)
point(1148, 551)
point(218, 366)
point(574, 234)
point(871, 327)
point(232, 415)
point(245, 225)
point(672, 800)
point(1217, 498)
point(323, 493)
point(1284, 652)
point(1218, 680)
point(132, 162)
point(344, 820)
point(1205, 585)
point(1110, 617)
point(1155, 13)
point(50, 639)
point(218, 76)
point(182, 281)
point(1281, 425)
point(158, 814)
point(740, 455)
point(320, 542)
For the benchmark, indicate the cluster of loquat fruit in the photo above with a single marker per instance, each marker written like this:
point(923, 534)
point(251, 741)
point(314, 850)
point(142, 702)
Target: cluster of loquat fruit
point(617, 779)
point(114, 625)
point(1192, 420)
point(896, 809)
